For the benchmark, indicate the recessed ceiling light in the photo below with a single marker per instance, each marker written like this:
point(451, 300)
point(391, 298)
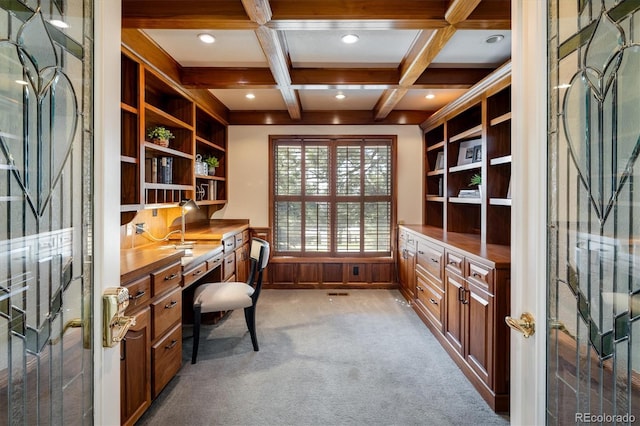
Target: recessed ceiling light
point(496, 38)
point(206, 38)
point(250, 96)
point(24, 83)
point(340, 96)
point(58, 23)
point(430, 96)
point(350, 38)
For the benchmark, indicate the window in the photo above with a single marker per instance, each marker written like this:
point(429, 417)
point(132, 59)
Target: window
point(332, 196)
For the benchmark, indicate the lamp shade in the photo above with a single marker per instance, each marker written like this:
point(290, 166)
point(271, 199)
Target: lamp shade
point(188, 204)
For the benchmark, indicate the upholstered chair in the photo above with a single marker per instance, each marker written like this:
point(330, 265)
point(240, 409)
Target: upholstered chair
point(229, 296)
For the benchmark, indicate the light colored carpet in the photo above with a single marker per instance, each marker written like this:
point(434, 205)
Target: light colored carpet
point(361, 359)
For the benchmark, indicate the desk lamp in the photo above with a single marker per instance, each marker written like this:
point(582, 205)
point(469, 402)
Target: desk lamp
point(185, 207)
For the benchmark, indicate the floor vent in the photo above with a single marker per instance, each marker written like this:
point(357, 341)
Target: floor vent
point(338, 293)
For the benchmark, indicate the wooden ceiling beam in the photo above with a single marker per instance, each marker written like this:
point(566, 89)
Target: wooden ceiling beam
point(489, 15)
point(185, 14)
point(259, 11)
point(279, 66)
point(426, 47)
point(327, 78)
point(248, 118)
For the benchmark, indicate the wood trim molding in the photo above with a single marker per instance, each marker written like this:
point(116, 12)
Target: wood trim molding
point(259, 11)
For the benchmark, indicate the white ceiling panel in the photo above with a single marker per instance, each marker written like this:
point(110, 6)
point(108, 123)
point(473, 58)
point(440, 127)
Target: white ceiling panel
point(310, 49)
point(415, 99)
point(236, 100)
point(470, 47)
point(325, 100)
point(232, 48)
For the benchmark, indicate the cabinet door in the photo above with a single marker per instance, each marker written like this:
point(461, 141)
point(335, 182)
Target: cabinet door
point(242, 263)
point(135, 369)
point(480, 326)
point(454, 312)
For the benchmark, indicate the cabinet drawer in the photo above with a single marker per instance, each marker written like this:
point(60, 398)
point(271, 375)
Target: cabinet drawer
point(229, 244)
point(166, 358)
point(166, 278)
point(481, 275)
point(214, 262)
point(139, 293)
point(454, 262)
point(431, 298)
point(245, 236)
point(239, 240)
point(165, 312)
point(229, 267)
point(193, 274)
point(430, 258)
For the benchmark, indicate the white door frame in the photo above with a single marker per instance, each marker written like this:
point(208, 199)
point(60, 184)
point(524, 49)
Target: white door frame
point(529, 209)
point(106, 227)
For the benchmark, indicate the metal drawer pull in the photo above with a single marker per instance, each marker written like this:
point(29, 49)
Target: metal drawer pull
point(419, 288)
point(477, 275)
point(138, 295)
point(170, 305)
point(170, 277)
point(198, 272)
point(433, 301)
point(434, 260)
point(453, 262)
point(230, 261)
point(420, 251)
point(173, 343)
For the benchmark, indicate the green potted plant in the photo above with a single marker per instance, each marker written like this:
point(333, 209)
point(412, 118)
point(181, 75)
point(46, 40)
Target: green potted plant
point(160, 135)
point(476, 180)
point(212, 163)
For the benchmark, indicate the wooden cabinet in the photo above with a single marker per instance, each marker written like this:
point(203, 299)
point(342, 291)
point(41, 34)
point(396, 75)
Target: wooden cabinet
point(156, 176)
point(135, 369)
point(407, 264)
point(151, 352)
point(471, 136)
point(462, 295)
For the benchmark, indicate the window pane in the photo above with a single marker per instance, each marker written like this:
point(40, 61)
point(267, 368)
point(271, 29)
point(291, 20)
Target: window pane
point(316, 163)
point(316, 229)
point(377, 227)
point(288, 221)
point(377, 170)
point(348, 170)
point(288, 170)
point(348, 227)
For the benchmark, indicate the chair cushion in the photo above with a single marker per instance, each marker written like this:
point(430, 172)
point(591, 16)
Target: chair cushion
point(225, 296)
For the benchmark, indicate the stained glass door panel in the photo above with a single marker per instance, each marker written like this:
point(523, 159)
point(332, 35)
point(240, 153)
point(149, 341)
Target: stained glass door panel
point(593, 347)
point(46, 347)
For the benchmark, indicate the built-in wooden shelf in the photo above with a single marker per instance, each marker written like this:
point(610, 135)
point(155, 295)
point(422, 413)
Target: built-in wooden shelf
point(169, 151)
point(501, 160)
point(156, 115)
point(464, 167)
point(501, 119)
point(465, 200)
point(437, 198)
point(435, 146)
point(436, 172)
point(470, 133)
point(500, 201)
point(127, 159)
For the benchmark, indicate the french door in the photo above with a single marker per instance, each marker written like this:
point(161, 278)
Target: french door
point(593, 290)
point(46, 212)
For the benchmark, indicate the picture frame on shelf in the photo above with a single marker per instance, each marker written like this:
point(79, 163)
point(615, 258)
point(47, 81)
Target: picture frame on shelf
point(509, 190)
point(467, 151)
point(439, 161)
point(477, 153)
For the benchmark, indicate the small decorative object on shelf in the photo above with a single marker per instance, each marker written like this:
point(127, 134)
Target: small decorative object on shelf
point(212, 162)
point(160, 135)
point(440, 161)
point(201, 168)
point(476, 180)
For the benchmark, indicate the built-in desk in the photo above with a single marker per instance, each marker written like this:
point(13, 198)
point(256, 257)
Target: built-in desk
point(161, 281)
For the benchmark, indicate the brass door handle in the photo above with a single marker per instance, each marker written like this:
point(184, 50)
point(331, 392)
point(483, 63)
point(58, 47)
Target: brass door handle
point(525, 325)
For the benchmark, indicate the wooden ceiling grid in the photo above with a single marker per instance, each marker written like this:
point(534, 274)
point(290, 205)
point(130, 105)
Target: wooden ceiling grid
point(436, 20)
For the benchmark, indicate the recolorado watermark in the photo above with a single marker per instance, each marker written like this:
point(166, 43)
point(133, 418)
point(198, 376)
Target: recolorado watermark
point(605, 418)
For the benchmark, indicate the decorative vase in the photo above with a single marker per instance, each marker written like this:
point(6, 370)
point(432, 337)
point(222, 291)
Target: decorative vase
point(212, 171)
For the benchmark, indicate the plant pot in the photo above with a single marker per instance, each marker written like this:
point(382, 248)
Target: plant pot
point(212, 171)
point(161, 142)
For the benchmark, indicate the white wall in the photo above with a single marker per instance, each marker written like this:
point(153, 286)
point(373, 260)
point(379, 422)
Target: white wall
point(248, 168)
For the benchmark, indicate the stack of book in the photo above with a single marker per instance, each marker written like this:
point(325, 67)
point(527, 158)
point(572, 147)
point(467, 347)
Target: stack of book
point(469, 193)
point(159, 170)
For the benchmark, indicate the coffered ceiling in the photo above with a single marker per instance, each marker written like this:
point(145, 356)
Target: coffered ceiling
point(289, 55)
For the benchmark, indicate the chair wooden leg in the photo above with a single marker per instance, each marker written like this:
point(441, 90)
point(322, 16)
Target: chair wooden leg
point(250, 317)
point(196, 332)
